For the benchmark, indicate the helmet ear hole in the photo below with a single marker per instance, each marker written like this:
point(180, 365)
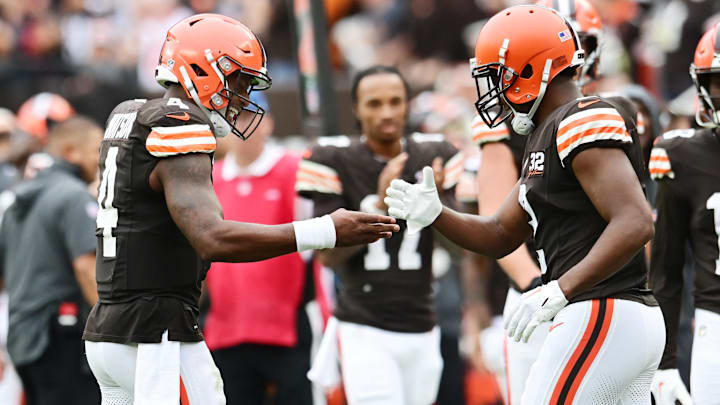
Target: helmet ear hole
point(198, 70)
point(527, 72)
point(194, 21)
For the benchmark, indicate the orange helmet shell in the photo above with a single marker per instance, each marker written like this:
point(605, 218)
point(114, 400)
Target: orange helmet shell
point(705, 64)
point(707, 53)
point(230, 44)
point(34, 114)
point(532, 34)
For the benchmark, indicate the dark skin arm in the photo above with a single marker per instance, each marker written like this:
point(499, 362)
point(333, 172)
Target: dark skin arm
point(496, 235)
point(185, 182)
point(610, 182)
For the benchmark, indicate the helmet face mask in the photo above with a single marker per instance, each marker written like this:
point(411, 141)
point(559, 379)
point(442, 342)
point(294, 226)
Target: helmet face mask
point(705, 74)
point(708, 114)
point(243, 121)
point(491, 105)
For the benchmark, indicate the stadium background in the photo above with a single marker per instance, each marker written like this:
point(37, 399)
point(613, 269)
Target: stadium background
point(97, 53)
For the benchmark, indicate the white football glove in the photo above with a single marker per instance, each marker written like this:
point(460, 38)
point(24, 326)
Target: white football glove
point(538, 305)
point(418, 204)
point(667, 386)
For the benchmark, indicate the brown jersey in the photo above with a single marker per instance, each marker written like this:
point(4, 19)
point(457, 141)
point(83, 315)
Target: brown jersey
point(387, 284)
point(564, 220)
point(685, 165)
point(148, 274)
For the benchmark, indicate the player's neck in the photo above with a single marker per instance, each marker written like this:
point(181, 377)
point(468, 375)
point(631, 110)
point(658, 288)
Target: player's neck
point(387, 150)
point(177, 91)
point(558, 93)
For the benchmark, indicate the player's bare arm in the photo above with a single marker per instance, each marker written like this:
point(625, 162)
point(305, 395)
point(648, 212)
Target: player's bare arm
point(192, 203)
point(610, 182)
point(495, 235)
point(496, 178)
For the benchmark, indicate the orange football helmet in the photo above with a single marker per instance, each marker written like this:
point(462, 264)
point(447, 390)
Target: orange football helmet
point(36, 115)
point(517, 53)
point(706, 64)
point(586, 21)
point(200, 52)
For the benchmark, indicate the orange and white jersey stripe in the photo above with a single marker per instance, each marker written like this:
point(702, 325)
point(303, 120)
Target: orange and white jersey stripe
point(453, 170)
point(170, 141)
point(312, 176)
point(659, 165)
point(591, 125)
point(482, 134)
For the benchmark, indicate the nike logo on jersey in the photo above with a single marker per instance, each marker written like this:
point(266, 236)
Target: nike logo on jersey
point(583, 105)
point(182, 117)
point(555, 326)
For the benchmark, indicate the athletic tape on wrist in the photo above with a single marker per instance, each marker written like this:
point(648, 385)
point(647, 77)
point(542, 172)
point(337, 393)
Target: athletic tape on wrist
point(315, 233)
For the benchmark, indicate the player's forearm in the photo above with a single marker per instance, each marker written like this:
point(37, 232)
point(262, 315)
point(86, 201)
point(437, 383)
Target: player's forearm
point(623, 237)
point(479, 234)
point(229, 241)
point(520, 267)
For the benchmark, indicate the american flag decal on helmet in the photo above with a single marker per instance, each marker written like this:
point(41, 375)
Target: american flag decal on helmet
point(564, 35)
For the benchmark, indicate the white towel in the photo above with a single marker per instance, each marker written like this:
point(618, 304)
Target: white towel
point(325, 370)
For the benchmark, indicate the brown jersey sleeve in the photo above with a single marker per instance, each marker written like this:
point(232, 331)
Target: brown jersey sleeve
point(318, 180)
point(176, 127)
point(592, 122)
point(667, 260)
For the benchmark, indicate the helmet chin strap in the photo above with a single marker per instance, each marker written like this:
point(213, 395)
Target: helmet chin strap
point(221, 127)
point(522, 122)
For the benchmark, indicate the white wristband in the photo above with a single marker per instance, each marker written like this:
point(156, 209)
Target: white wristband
point(315, 233)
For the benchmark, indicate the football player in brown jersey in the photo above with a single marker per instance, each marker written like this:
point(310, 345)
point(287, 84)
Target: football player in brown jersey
point(685, 165)
point(160, 223)
point(385, 316)
point(502, 154)
point(580, 198)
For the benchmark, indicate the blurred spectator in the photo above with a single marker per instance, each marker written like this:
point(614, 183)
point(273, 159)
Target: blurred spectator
point(47, 245)
point(10, 386)
point(39, 113)
point(8, 130)
point(36, 117)
point(257, 327)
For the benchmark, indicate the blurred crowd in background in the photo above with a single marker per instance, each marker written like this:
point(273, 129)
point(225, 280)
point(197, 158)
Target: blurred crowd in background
point(97, 53)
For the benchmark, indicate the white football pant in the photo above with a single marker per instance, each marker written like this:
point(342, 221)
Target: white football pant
point(149, 373)
point(381, 367)
point(520, 356)
point(705, 365)
point(600, 352)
